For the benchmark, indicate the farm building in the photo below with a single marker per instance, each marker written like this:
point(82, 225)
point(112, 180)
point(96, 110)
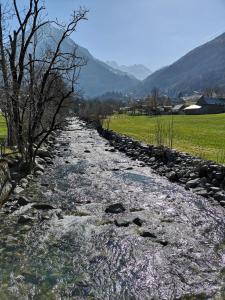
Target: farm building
point(193, 109)
point(199, 104)
point(178, 109)
point(192, 100)
point(211, 105)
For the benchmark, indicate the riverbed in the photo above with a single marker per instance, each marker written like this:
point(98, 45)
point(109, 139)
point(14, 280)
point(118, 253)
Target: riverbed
point(165, 243)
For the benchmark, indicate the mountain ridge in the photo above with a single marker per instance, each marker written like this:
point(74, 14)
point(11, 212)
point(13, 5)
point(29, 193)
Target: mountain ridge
point(96, 78)
point(200, 68)
point(139, 71)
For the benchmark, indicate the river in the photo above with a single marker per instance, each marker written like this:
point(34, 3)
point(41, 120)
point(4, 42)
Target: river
point(167, 244)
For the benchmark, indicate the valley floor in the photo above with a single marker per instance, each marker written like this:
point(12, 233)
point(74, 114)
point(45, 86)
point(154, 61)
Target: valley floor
point(164, 243)
point(200, 135)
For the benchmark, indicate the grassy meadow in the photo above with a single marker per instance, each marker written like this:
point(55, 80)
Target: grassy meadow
point(3, 128)
point(200, 135)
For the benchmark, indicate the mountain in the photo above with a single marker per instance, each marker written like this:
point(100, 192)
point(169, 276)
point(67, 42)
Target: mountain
point(138, 71)
point(96, 78)
point(203, 67)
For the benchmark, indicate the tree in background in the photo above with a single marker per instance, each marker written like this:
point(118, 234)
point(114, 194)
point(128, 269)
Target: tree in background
point(155, 98)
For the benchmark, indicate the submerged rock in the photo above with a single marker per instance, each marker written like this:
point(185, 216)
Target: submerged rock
point(138, 222)
point(24, 219)
point(148, 234)
point(115, 209)
point(43, 206)
point(122, 222)
point(162, 242)
point(22, 201)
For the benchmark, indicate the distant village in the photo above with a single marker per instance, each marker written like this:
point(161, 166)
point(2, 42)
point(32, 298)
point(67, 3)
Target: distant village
point(195, 104)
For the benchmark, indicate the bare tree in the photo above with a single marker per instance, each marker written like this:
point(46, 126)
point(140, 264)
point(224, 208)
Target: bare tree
point(36, 86)
point(155, 98)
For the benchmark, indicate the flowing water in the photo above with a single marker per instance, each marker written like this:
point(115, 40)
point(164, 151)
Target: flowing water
point(177, 251)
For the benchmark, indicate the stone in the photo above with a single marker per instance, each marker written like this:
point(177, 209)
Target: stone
point(24, 219)
point(148, 234)
point(220, 196)
point(43, 206)
point(40, 161)
point(203, 171)
point(43, 152)
point(215, 189)
point(200, 191)
point(215, 182)
point(38, 173)
point(24, 182)
point(172, 176)
point(29, 177)
point(18, 190)
point(162, 242)
point(22, 201)
point(136, 209)
point(115, 208)
point(193, 175)
point(193, 183)
point(183, 180)
point(152, 159)
point(219, 176)
point(122, 222)
point(137, 221)
point(203, 181)
point(39, 168)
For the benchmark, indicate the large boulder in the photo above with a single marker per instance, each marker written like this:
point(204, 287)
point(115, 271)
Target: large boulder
point(193, 183)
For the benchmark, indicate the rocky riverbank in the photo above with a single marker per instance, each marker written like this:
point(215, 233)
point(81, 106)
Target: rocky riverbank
point(204, 178)
point(14, 178)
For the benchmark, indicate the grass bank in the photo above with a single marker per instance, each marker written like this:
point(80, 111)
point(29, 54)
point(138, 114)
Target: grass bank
point(201, 135)
point(3, 128)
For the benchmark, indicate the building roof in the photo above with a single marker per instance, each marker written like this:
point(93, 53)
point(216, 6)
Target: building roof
point(214, 101)
point(177, 107)
point(193, 98)
point(193, 107)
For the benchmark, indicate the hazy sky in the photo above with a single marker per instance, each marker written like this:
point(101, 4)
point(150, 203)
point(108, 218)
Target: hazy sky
point(152, 32)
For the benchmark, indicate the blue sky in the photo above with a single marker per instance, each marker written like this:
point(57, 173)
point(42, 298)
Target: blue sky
point(152, 32)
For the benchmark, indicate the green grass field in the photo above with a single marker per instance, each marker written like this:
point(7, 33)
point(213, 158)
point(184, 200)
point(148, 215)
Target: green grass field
point(201, 135)
point(3, 128)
